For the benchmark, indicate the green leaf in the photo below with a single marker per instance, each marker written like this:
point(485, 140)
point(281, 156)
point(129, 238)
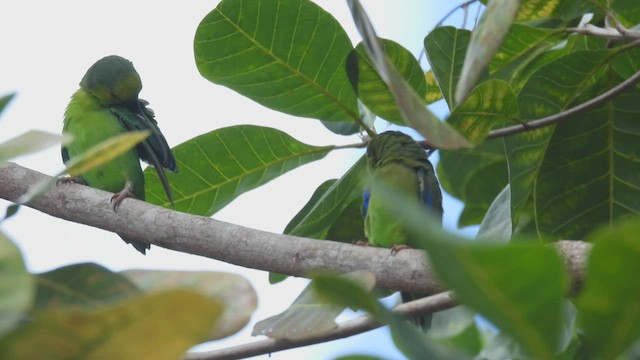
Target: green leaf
point(104, 152)
point(626, 11)
point(310, 314)
point(433, 92)
point(349, 224)
point(158, 326)
point(602, 143)
point(445, 47)
point(5, 100)
point(549, 90)
point(490, 104)
point(95, 156)
point(16, 288)
point(474, 176)
point(342, 127)
point(374, 92)
point(521, 52)
point(27, 143)
point(457, 328)
point(411, 106)
point(84, 285)
point(484, 44)
point(232, 291)
point(220, 165)
point(499, 281)
point(610, 302)
point(349, 227)
point(288, 55)
point(497, 223)
point(317, 217)
point(518, 287)
point(561, 9)
point(409, 340)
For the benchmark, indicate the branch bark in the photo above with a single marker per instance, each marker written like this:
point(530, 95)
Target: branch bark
point(408, 270)
point(433, 303)
point(218, 240)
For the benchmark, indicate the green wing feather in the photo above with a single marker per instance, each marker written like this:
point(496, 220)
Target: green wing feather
point(154, 150)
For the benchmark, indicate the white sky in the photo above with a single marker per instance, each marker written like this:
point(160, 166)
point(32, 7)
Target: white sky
point(48, 45)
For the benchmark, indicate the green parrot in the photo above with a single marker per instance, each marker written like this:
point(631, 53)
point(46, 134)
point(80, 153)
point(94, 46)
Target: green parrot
point(107, 105)
point(396, 160)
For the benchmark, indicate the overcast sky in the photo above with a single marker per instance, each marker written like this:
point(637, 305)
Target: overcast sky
point(48, 45)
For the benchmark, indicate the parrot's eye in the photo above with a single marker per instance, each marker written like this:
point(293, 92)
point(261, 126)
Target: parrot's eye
point(114, 96)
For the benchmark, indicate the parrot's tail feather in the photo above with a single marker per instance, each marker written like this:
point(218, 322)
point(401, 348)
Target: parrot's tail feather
point(140, 246)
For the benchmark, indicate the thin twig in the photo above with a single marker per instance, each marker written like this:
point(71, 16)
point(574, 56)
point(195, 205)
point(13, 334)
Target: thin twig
point(561, 116)
point(611, 33)
point(464, 5)
point(430, 304)
point(461, 6)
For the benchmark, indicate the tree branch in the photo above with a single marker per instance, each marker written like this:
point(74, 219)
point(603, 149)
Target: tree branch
point(407, 271)
point(556, 118)
point(433, 303)
point(616, 32)
point(575, 258)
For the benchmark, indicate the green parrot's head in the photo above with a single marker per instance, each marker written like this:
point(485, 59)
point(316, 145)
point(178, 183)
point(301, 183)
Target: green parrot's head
point(112, 80)
point(393, 146)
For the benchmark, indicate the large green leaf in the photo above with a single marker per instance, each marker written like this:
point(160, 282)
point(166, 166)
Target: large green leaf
point(322, 211)
point(484, 44)
point(491, 104)
point(518, 287)
point(98, 154)
point(551, 89)
point(562, 9)
point(288, 55)
point(627, 11)
point(475, 176)
point(445, 48)
point(374, 92)
point(433, 92)
point(412, 107)
point(84, 285)
point(159, 326)
point(610, 301)
point(589, 174)
point(310, 314)
point(220, 165)
point(27, 143)
point(408, 339)
point(521, 50)
point(232, 291)
point(4, 101)
point(16, 287)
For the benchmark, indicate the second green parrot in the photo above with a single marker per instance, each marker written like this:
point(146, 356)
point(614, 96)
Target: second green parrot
point(107, 105)
point(397, 161)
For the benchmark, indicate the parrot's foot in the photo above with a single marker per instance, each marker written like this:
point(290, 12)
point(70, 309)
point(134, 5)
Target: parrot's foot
point(361, 243)
point(70, 180)
point(399, 247)
point(127, 192)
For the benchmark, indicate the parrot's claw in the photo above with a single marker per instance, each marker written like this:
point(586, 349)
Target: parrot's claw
point(70, 180)
point(399, 247)
point(127, 192)
point(361, 243)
